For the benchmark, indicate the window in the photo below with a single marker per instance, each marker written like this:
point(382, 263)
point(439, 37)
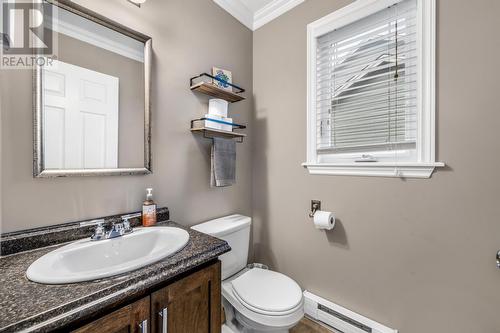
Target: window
point(371, 90)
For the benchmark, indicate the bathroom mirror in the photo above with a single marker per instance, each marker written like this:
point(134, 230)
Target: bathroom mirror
point(92, 102)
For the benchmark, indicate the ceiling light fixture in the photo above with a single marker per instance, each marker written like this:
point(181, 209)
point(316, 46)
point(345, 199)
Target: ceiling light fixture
point(137, 2)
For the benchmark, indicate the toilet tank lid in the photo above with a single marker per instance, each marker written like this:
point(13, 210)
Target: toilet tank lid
point(223, 225)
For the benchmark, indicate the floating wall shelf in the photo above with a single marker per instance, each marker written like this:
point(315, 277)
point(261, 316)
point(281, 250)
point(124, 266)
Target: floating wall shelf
point(210, 89)
point(198, 127)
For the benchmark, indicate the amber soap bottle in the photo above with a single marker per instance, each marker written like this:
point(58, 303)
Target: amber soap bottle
point(149, 209)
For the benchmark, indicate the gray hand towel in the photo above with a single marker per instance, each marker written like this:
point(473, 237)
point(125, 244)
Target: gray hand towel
point(223, 165)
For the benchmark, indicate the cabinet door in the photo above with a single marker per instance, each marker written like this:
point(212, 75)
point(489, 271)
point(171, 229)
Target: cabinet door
point(133, 318)
point(190, 305)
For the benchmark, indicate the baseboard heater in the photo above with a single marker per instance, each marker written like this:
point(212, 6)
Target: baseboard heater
point(339, 318)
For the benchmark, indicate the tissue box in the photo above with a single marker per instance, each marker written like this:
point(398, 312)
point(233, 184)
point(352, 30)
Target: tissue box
point(226, 127)
point(213, 124)
point(216, 124)
point(217, 107)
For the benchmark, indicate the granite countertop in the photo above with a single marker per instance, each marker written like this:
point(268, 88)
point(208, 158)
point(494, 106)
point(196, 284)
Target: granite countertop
point(33, 307)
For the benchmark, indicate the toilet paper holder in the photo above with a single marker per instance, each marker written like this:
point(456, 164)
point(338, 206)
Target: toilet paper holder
point(315, 206)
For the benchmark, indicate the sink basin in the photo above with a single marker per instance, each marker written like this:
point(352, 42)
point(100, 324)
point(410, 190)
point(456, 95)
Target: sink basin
point(87, 260)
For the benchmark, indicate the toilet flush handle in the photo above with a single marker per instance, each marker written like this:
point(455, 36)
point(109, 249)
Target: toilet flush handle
point(498, 259)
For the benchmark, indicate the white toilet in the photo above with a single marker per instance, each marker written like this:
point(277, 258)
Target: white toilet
point(254, 299)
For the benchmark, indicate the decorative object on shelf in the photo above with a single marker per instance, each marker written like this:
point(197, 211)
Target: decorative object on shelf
point(203, 83)
point(223, 78)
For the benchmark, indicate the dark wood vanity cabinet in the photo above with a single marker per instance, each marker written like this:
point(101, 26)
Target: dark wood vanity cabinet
point(133, 318)
point(189, 305)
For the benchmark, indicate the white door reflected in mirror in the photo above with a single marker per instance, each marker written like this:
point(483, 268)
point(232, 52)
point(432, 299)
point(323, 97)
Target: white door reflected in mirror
point(80, 118)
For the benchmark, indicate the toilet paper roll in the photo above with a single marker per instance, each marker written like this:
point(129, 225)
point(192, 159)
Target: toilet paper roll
point(217, 107)
point(324, 220)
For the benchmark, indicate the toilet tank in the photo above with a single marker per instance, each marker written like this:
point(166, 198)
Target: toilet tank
point(235, 230)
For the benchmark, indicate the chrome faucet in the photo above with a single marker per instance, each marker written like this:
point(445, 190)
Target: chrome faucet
point(117, 229)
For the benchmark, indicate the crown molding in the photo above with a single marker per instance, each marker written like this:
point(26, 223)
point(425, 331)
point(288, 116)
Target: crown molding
point(253, 21)
point(272, 11)
point(238, 10)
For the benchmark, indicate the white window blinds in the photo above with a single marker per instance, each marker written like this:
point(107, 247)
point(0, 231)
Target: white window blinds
point(366, 83)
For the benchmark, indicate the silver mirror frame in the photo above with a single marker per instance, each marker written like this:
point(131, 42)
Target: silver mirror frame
point(39, 170)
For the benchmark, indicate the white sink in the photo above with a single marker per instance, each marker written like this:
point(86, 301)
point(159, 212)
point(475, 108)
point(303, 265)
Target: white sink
point(87, 260)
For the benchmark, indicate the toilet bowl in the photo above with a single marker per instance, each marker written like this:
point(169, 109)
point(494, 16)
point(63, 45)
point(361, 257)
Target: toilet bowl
point(258, 300)
point(254, 299)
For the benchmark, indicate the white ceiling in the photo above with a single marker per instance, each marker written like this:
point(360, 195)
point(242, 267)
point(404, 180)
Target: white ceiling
point(256, 13)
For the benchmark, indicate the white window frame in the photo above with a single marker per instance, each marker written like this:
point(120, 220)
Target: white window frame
point(425, 163)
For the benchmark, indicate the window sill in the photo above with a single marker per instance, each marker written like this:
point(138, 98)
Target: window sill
point(374, 169)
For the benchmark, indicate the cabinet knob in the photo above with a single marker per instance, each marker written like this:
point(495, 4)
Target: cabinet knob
point(143, 326)
point(164, 320)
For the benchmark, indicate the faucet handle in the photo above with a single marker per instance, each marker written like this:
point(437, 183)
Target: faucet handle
point(126, 224)
point(126, 221)
point(100, 231)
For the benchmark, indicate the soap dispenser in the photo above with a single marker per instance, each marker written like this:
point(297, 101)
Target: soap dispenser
point(149, 209)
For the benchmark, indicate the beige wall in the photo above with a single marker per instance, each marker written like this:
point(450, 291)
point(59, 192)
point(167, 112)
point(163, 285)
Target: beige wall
point(417, 255)
point(189, 37)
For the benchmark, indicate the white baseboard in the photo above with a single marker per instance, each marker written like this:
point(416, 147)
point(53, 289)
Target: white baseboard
point(340, 318)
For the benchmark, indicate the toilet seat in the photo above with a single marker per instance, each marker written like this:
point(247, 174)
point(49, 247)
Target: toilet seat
point(267, 292)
